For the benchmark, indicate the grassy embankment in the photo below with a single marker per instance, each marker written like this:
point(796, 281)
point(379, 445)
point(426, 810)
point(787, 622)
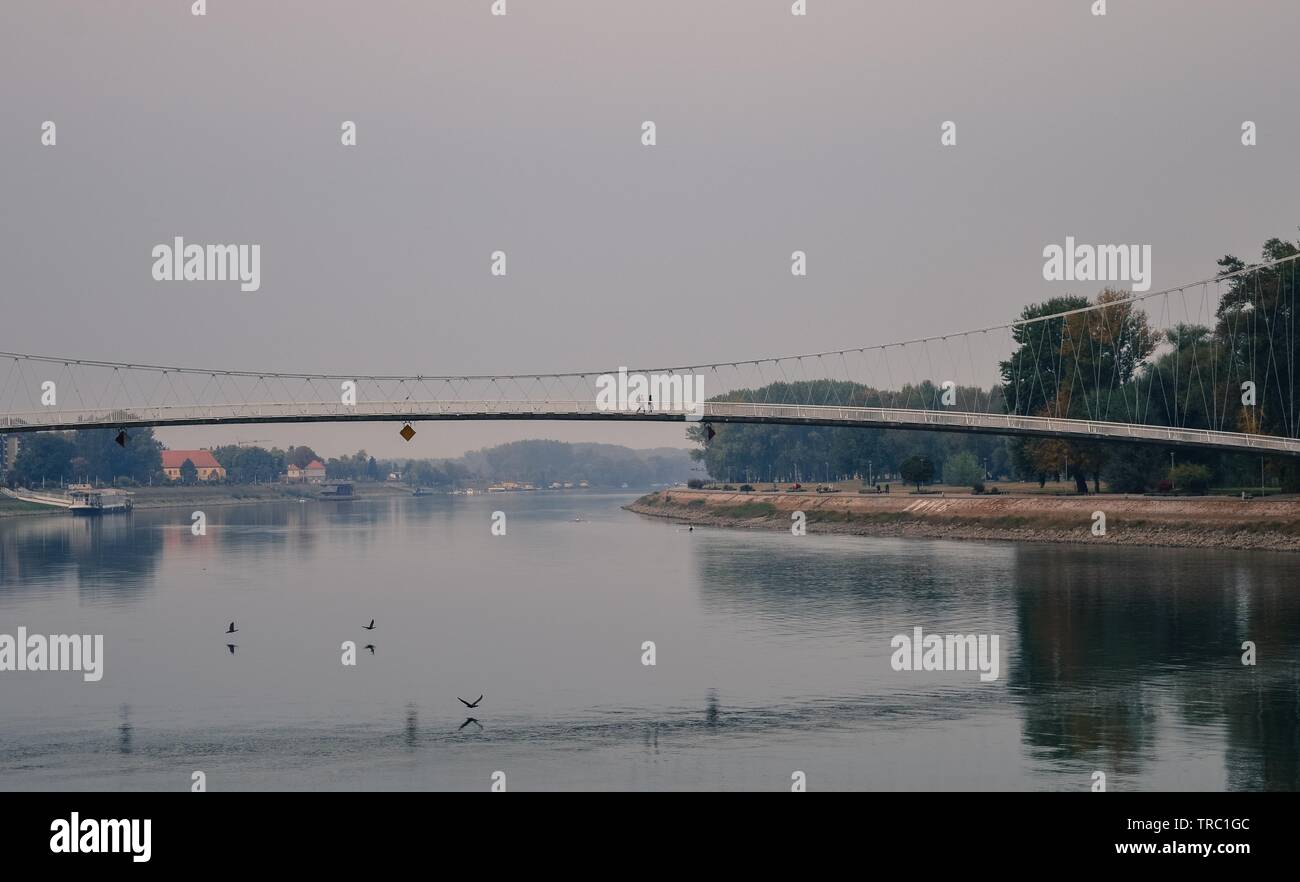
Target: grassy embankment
point(10, 508)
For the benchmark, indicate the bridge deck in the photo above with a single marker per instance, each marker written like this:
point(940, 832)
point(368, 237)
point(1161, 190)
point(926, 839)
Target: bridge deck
point(716, 412)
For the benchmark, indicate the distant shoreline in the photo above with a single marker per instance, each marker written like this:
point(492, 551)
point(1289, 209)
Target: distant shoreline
point(1271, 524)
point(161, 497)
point(148, 498)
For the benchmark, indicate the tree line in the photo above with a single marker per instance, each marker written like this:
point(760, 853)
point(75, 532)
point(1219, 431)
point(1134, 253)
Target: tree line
point(746, 452)
point(88, 455)
point(1100, 364)
point(94, 456)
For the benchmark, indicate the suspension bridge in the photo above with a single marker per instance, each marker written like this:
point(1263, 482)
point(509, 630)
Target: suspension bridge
point(1210, 364)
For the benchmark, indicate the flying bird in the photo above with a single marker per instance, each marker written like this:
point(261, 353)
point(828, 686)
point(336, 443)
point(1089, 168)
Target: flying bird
point(371, 647)
point(371, 626)
point(467, 704)
point(232, 629)
point(231, 647)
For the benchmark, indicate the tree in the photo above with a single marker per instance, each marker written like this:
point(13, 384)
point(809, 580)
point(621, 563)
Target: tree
point(250, 464)
point(1089, 459)
point(1031, 376)
point(423, 473)
point(105, 460)
point(1136, 468)
point(1078, 366)
point(962, 469)
point(1178, 387)
point(917, 470)
point(1256, 328)
point(359, 466)
point(46, 456)
point(749, 453)
point(189, 474)
point(300, 456)
point(1190, 477)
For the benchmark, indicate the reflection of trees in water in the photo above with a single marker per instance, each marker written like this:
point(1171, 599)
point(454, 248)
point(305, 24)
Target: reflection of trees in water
point(117, 556)
point(412, 729)
point(1099, 642)
point(807, 584)
point(1111, 728)
point(1105, 634)
point(125, 731)
point(1264, 735)
point(109, 557)
point(298, 528)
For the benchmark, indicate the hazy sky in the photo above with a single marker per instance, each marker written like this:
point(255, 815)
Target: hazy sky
point(522, 133)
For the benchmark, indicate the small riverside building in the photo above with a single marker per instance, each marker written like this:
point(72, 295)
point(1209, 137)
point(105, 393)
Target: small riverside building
point(206, 464)
point(312, 473)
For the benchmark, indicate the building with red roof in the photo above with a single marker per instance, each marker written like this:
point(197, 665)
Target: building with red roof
point(206, 464)
point(312, 473)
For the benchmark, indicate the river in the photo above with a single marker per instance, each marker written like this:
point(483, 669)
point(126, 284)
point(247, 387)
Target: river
point(772, 655)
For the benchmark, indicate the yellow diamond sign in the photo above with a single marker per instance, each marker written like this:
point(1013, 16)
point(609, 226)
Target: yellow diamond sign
point(407, 432)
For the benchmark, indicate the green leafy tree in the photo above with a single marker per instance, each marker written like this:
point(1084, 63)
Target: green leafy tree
point(963, 469)
point(1077, 366)
point(300, 456)
point(1256, 329)
point(46, 456)
point(1190, 477)
point(1032, 375)
point(423, 473)
point(917, 470)
point(350, 468)
point(250, 464)
point(189, 473)
point(140, 459)
point(752, 453)
point(1136, 468)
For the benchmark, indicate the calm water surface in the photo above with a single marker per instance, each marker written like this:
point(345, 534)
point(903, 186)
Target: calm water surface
point(772, 655)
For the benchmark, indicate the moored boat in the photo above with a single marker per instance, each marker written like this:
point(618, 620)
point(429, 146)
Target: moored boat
point(88, 501)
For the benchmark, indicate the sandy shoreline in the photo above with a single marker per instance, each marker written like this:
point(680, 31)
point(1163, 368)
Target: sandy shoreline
point(1168, 522)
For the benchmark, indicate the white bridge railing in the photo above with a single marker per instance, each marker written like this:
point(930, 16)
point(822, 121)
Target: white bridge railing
point(719, 412)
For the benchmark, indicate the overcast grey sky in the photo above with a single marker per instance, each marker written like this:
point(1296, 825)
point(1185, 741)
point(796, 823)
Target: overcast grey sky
point(522, 133)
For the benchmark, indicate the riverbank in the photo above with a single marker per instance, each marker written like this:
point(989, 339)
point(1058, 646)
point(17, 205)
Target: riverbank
point(209, 495)
point(12, 508)
point(1171, 522)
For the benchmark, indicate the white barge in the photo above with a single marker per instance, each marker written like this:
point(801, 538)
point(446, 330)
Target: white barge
point(88, 501)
